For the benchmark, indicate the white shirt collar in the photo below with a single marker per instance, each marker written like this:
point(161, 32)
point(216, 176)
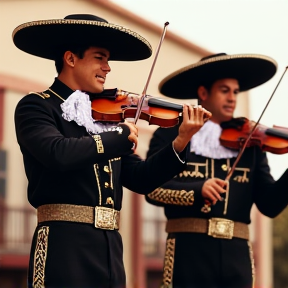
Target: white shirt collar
point(206, 142)
point(77, 107)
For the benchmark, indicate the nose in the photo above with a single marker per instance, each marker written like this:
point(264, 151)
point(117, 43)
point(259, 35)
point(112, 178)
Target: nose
point(106, 68)
point(232, 97)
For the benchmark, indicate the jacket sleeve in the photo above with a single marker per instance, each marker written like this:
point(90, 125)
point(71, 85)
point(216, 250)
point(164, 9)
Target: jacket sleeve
point(155, 170)
point(37, 128)
point(270, 196)
point(173, 191)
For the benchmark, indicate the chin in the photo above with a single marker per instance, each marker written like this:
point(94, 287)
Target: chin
point(97, 90)
point(227, 118)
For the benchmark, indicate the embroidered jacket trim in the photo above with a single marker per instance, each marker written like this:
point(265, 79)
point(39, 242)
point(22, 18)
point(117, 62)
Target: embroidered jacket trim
point(40, 256)
point(176, 197)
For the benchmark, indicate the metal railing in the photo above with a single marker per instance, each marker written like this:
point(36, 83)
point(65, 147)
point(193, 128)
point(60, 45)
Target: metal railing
point(154, 238)
point(16, 228)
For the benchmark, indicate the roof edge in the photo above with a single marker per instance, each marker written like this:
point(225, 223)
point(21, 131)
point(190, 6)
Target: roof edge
point(155, 28)
point(20, 84)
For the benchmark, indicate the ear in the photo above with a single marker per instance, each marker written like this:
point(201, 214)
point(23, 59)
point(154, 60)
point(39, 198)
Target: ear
point(69, 58)
point(202, 93)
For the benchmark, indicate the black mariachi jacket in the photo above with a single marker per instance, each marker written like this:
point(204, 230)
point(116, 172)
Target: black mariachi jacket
point(250, 183)
point(62, 162)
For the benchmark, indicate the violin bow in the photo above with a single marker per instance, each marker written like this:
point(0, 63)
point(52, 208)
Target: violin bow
point(143, 95)
point(241, 151)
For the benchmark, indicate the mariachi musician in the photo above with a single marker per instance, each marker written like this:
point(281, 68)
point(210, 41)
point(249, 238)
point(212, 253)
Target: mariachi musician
point(76, 166)
point(208, 244)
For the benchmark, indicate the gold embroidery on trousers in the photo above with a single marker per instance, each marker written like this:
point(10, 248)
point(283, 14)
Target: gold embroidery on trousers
point(168, 263)
point(168, 196)
point(252, 262)
point(244, 178)
point(40, 256)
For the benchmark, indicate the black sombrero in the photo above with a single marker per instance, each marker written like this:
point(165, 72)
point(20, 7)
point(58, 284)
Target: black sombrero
point(46, 38)
point(250, 70)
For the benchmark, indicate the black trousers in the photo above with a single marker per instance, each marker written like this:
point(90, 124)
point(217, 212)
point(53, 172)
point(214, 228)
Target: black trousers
point(201, 261)
point(75, 255)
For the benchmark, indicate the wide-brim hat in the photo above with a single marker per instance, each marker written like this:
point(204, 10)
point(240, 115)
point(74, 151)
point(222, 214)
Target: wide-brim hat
point(47, 38)
point(250, 70)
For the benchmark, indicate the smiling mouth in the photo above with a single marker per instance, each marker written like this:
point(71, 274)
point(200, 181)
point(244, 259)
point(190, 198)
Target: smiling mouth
point(101, 78)
point(229, 108)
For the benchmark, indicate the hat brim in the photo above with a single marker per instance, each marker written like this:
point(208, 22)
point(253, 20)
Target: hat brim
point(46, 38)
point(250, 70)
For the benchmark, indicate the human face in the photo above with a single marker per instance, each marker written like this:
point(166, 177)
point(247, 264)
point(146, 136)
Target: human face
point(89, 73)
point(221, 99)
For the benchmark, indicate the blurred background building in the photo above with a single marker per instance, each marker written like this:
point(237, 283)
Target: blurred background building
point(142, 225)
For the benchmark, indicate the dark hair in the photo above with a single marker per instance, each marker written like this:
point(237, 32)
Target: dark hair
point(207, 85)
point(78, 50)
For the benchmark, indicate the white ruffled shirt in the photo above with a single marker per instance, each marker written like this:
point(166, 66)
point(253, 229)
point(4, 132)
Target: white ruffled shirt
point(206, 142)
point(77, 107)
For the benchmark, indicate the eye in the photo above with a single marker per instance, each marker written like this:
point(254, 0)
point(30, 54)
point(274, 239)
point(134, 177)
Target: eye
point(99, 57)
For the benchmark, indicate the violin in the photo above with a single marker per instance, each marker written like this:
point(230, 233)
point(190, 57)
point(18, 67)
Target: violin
point(236, 131)
point(116, 105)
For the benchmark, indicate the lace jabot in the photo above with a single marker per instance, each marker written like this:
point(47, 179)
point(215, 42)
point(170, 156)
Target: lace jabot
point(206, 142)
point(77, 107)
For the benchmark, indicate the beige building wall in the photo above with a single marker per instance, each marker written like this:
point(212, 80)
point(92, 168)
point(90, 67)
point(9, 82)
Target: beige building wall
point(16, 179)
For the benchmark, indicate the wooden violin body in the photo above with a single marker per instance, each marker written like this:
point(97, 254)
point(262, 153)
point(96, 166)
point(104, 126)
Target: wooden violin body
point(274, 140)
point(116, 105)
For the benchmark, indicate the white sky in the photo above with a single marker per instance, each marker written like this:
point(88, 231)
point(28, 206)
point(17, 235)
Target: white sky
point(233, 27)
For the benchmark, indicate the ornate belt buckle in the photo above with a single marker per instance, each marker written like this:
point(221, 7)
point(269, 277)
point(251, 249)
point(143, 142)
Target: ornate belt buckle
point(221, 228)
point(105, 218)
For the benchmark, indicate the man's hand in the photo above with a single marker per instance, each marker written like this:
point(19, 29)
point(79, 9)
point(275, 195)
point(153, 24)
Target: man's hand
point(213, 188)
point(193, 119)
point(133, 137)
